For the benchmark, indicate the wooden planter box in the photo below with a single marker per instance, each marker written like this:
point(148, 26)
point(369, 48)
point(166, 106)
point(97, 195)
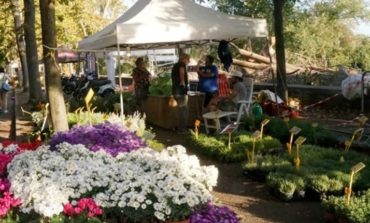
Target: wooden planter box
point(159, 113)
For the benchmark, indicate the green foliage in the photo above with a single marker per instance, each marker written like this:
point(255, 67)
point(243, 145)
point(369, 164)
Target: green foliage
point(217, 146)
point(315, 32)
point(321, 33)
point(76, 19)
point(358, 211)
point(321, 171)
point(7, 37)
point(279, 129)
point(285, 183)
point(264, 165)
point(155, 145)
point(161, 86)
point(106, 104)
point(85, 118)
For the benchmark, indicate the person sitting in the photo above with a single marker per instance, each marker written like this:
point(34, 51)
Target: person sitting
point(141, 78)
point(208, 79)
point(238, 92)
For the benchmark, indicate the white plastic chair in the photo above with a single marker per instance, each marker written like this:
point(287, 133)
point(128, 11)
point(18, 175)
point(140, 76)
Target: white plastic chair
point(242, 108)
point(245, 105)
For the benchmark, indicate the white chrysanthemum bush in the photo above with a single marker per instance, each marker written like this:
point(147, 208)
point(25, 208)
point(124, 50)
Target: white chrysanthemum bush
point(143, 185)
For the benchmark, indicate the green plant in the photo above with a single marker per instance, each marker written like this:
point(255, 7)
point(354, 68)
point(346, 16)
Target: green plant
point(85, 118)
point(358, 211)
point(161, 86)
point(217, 146)
point(155, 145)
point(264, 165)
point(279, 129)
point(321, 172)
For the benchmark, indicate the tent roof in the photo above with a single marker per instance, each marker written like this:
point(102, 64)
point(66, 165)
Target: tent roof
point(164, 23)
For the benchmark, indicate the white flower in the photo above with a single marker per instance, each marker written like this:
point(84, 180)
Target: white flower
point(44, 180)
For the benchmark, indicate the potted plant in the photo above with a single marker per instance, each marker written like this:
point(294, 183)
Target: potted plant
point(286, 190)
point(212, 213)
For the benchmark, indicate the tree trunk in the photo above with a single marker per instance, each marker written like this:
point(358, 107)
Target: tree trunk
point(282, 89)
point(52, 77)
point(20, 43)
point(31, 51)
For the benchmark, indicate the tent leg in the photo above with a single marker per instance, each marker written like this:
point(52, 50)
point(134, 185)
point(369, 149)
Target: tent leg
point(120, 79)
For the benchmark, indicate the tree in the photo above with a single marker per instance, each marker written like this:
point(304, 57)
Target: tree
point(76, 19)
point(20, 42)
point(31, 51)
point(263, 8)
point(52, 77)
point(282, 89)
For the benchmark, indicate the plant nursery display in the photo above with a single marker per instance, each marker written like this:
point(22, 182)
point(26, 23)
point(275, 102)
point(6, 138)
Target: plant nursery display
point(217, 146)
point(323, 171)
point(104, 172)
point(279, 128)
point(357, 211)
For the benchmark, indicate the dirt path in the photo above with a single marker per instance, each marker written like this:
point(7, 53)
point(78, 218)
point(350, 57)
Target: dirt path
point(251, 200)
point(23, 125)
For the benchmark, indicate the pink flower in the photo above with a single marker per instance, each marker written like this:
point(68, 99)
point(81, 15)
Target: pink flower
point(68, 209)
point(4, 160)
point(84, 205)
point(78, 210)
point(7, 202)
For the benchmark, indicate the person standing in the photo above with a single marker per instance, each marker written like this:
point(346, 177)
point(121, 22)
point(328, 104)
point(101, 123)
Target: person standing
point(179, 79)
point(141, 78)
point(208, 79)
point(4, 89)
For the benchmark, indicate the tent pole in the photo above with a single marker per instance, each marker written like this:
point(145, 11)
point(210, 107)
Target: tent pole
point(120, 78)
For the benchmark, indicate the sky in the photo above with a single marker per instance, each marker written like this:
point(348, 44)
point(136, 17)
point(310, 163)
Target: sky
point(362, 28)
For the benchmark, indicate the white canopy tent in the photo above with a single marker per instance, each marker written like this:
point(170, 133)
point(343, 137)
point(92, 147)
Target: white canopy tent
point(151, 24)
point(166, 23)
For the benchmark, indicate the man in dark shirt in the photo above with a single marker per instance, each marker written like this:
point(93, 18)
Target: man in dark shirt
point(179, 90)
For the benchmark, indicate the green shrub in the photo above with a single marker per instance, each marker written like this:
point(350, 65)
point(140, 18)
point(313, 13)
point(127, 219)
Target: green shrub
point(357, 212)
point(217, 146)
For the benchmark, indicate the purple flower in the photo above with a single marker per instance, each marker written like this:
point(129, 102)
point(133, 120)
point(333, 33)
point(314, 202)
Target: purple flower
point(109, 137)
point(212, 213)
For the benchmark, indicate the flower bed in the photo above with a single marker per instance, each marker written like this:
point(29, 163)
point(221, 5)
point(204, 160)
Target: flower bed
point(357, 212)
point(88, 181)
point(217, 146)
point(143, 185)
point(112, 138)
point(322, 171)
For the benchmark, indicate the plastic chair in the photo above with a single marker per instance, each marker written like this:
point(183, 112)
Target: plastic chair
point(243, 107)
